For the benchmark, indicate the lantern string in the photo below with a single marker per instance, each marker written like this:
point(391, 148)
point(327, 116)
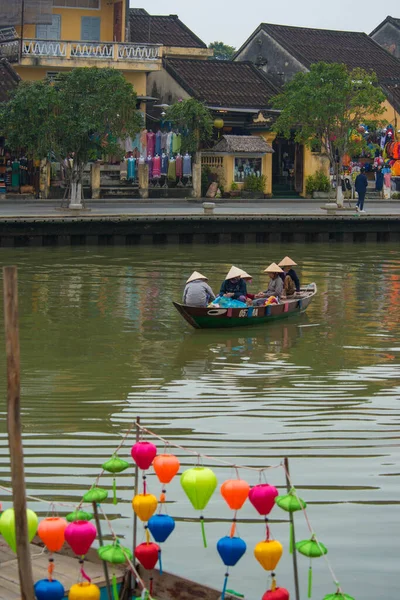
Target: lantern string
point(36, 499)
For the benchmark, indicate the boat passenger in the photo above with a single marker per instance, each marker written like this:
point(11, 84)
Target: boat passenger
point(248, 279)
point(197, 291)
point(291, 282)
point(234, 286)
point(275, 286)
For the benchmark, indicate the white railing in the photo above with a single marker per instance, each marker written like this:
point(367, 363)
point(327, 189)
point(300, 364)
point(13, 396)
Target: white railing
point(92, 50)
point(44, 48)
point(138, 52)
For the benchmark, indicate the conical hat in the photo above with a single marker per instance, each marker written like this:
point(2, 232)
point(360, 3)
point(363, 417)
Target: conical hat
point(196, 275)
point(244, 275)
point(287, 262)
point(273, 268)
point(234, 272)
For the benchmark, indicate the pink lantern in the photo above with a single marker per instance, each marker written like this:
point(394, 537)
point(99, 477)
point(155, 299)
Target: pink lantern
point(80, 535)
point(143, 454)
point(262, 497)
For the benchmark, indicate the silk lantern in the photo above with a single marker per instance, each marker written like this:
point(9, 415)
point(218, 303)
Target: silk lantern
point(147, 554)
point(166, 466)
point(290, 503)
point(84, 591)
point(231, 550)
point(161, 527)
point(276, 593)
point(199, 484)
point(338, 596)
point(143, 454)
point(115, 465)
point(51, 531)
point(313, 549)
point(144, 506)
point(49, 589)
point(80, 535)
point(235, 493)
point(262, 497)
point(79, 515)
point(116, 555)
point(95, 494)
point(7, 526)
point(268, 553)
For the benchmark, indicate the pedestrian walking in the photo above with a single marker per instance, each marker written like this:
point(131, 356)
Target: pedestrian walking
point(361, 185)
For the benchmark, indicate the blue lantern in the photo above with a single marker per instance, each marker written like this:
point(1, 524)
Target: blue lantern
point(231, 550)
point(161, 527)
point(46, 589)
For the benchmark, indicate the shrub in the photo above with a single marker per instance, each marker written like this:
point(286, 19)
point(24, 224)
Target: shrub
point(396, 195)
point(319, 182)
point(252, 183)
point(234, 186)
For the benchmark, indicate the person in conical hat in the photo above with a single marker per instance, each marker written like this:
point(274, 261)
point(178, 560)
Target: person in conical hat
point(292, 286)
point(234, 286)
point(275, 286)
point(248, 279)
point(197, 292)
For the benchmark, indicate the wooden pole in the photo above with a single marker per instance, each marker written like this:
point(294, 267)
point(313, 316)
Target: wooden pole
point(14, 431)
point(295, 570)
point(101, 542)
point(134, 514)
point(21, 49)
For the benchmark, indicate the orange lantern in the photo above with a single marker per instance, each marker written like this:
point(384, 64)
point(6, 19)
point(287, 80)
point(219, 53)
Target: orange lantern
point(166, 466)
point(268, 554)
point(144, 506)
point(235, 493)
point(51, 532)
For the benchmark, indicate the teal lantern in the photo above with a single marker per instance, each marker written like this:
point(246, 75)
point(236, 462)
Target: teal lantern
point(115, 465)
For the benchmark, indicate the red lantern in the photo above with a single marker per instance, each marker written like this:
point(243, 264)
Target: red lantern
point(143, 454)
point(166, 467)
point(276, 594)
point(147, 554)
point(235, 492)
point(262, 497)
point(80, 535)
point(51, 532)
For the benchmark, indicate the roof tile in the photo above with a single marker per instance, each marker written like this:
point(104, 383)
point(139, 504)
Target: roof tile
point(167, 30)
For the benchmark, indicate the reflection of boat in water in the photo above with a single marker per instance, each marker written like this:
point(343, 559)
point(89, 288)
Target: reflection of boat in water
point(211, 318)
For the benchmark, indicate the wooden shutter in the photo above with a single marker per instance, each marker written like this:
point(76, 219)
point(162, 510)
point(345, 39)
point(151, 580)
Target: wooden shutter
point(90, 29)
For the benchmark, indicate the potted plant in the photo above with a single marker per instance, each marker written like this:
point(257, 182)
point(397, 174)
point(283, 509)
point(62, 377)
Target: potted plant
point(318, 185)
point(254, 186)
point(235, 192)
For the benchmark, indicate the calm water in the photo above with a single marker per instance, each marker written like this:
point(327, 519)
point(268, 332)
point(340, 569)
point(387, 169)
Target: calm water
point(101, 343)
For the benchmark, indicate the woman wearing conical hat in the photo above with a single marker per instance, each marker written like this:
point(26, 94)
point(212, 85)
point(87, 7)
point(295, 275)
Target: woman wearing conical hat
point(275, 286)
point(234, 286)
point(287, 265)
point(197, 291)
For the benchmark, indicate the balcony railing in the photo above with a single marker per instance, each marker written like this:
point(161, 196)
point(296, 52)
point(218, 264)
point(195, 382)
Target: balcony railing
point(68, 50)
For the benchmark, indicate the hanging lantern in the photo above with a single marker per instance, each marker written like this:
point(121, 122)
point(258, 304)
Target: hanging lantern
point(49, 589)
point(262, 497)
point(147, 555)
point(199, 484)
point(144, 506)
point(51, 532)
point(231, 550)
point(235, 493)
point(115, 465)
point(7, 526)
point(143, 454)
point(95, 494)
point(268, 554)
point(161, 527)
point(290, 503)
point(166, 466)
point(116, 555)
point(338, 596)
point(80, 535)
point(312, 549)
point(79, 515)
point(84, 591)
point(276, 593)
point(218, 123)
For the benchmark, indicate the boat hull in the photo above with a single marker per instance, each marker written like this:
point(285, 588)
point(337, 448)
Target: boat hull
point(217, 318)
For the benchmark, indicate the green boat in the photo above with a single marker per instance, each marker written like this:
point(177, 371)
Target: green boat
point(214, 317)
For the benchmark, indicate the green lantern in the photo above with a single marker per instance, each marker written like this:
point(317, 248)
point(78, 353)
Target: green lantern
point(79, 515)
point(116, 555)
point(313, 549)
point(199, 484)
point(290, 503)
point(115, 465)
point(338, 596)
point(95, 494)
point(7, 526)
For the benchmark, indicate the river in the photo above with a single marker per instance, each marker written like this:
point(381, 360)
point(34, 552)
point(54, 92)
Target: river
point(101, 343)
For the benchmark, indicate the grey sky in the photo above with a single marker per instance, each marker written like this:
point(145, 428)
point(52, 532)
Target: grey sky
point(232, 21)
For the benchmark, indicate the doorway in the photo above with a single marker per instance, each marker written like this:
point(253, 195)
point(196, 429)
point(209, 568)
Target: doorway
point(284, 173)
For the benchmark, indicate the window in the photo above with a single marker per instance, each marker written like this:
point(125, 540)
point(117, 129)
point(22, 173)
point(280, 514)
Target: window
point(50, 32)
point(91, 4)
point(90, 29)
point(247, 166)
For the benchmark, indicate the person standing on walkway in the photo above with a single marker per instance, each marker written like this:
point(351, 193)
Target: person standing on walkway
point(361, 185)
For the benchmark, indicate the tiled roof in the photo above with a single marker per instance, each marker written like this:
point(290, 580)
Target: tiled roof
point(392, 20)
point(167, 30)
point(352, 48)
point(9, 79)
point(254, 144)
point(222, 83)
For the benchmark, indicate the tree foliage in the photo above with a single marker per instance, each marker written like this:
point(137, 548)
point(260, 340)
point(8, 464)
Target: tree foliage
point(222, 51)
point(81, 116)
point(194, 120)
point(326, 105)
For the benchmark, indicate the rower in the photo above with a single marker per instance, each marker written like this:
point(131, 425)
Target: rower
point(197, 291)
point(234, 286)
point(289, 277)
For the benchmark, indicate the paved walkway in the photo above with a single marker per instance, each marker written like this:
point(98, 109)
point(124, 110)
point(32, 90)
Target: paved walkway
point(169, 208)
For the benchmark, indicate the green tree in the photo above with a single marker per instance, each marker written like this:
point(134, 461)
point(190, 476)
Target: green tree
point(194, 120)
point(77, 118)
point(222, 51)
point(326, 106)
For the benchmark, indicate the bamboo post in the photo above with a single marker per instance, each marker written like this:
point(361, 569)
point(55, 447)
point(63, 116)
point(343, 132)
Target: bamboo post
point(101, 542)
point(134, 514)
point(295, 570)
point(14, 431)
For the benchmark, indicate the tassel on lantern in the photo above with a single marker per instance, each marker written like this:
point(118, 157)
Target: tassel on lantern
point(116, 555)
point(313, 549)
point(199, 484)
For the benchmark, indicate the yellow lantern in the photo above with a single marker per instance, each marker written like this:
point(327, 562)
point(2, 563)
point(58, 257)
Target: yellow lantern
point(268, 554)
point(218, 123)
point(144, 506)
point(84, 591)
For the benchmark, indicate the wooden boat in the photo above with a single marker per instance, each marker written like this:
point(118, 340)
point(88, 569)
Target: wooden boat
point(210, 318)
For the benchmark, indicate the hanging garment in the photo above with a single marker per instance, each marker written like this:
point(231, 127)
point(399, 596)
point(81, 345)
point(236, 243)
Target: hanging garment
point(187, 166)
point(15, 174)
point(131, 169)
point(149, 161)
point(136, 142)
point(169, 143)
point(164, 165)
point(158, 142)
point(164, 137)
point(128, 145)
point(179, 166)
point(172, 170)
point(143, 142)
point(157, 167)
point(176, 143)
point(151, 143)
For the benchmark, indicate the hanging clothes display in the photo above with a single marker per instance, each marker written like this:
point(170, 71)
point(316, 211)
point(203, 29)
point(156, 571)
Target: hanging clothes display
point(158, 142)
point(157, 167)
point(187, 166)
point(131, 174)
point(164, 138)
point(149, 161)
point(143, 142)
point(176, 142)
point(179, 166)
point(151, 142)
point(164, 164)
point(15, 176)
point(169, 143)
point(172, 170)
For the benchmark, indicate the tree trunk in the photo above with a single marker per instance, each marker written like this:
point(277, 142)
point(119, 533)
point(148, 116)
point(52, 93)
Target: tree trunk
point(75, 200)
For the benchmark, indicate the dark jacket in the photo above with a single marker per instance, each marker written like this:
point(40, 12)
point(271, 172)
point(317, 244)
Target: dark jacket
point(361, 183)
point(238, 289)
